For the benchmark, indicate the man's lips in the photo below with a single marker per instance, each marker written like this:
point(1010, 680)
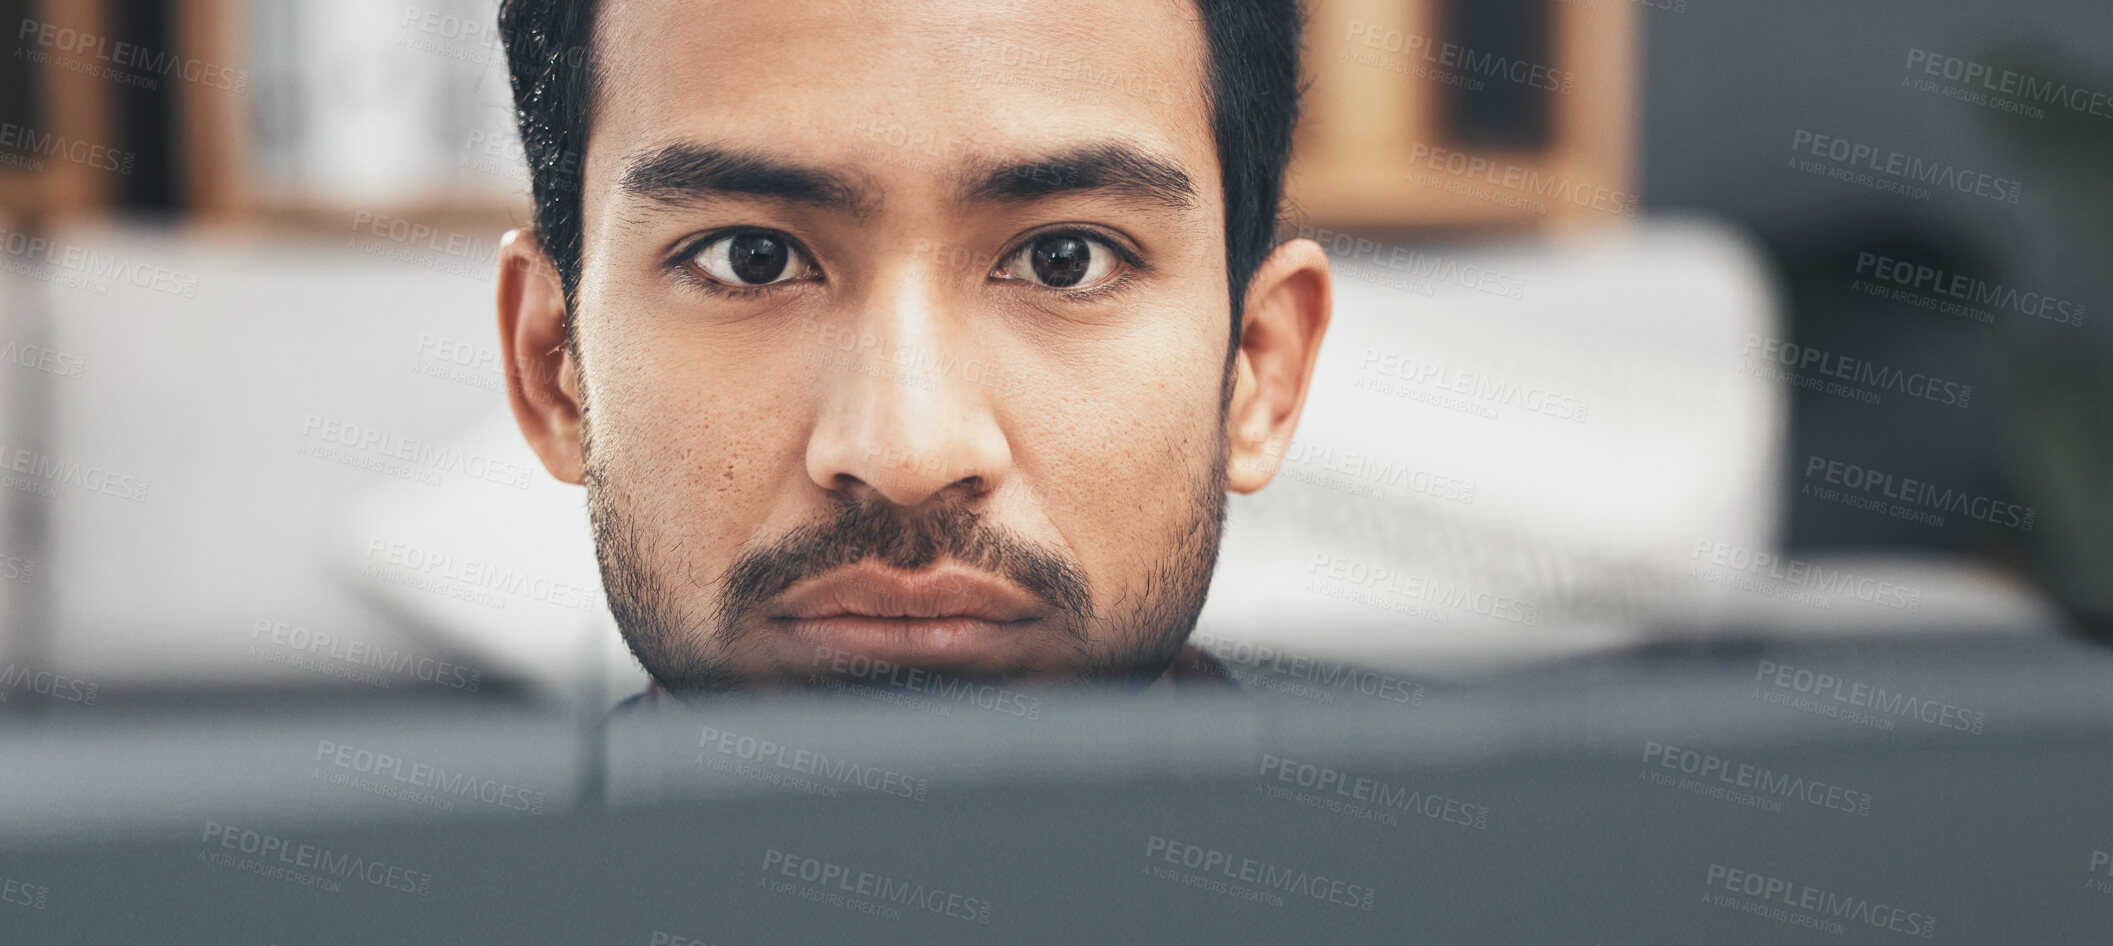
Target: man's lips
point(883, 596)
point(950, 616)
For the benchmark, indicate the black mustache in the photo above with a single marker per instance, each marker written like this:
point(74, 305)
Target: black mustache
point(860, 529)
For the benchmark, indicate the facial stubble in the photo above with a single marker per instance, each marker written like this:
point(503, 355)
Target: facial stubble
point(1128, 636)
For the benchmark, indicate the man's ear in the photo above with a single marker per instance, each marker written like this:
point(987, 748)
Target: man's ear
point(541, 380)
point(1288, 304)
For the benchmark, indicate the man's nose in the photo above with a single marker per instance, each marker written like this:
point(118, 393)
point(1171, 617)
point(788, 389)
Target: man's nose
point(903, 418)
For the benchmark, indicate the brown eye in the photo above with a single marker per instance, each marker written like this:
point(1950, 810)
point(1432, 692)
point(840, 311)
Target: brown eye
point(1062, 261)
point(750, 258)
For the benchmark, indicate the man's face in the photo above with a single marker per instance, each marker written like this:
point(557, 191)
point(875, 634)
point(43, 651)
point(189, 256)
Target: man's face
point(902, 332)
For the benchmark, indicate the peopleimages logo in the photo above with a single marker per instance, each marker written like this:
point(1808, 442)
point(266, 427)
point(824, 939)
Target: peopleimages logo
point(473, 578)
point(471, 256)
point(1865, 696)
point(2101, 863)
point(421, 460)
point(1524, 184)
point(14, 568)
point(1930, 279)
point(50, 361)
point(1336, 790)
point(1420, 264)
point(1858, 482)
point(1262, 876)
point(130, 56)
point(1773, 891)
point(1865, 374)
point(57, 686)
point(42, 474)
point(95, 264)
point(280, 858)
point(301, 640)
point(1711, 768)
point(1484, 393)
point(1791, 571)
point(815, 765)
point(1249, 662)
point(848, 665)
point(1465, 59)
point(101, 157)
point(828, 878)
point(1353, 574)
point(420, 782)
point(23, 893)
point(1365, 473)
point(2007, 82)
point(1856, 156)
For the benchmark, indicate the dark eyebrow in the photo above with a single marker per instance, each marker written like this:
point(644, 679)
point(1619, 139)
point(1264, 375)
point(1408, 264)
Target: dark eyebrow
point(1118, 169)
point(685, 173)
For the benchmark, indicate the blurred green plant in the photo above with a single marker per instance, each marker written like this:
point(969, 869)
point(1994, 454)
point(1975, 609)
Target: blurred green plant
point(2065, 382)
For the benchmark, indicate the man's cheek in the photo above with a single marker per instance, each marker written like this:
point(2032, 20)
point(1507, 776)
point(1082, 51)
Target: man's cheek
point(698, 484)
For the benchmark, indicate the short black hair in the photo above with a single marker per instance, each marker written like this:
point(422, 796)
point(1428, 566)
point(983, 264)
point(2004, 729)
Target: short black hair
point(1253, 93)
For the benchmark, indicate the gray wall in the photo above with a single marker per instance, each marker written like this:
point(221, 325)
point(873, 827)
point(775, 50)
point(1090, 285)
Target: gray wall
point(1728, 85)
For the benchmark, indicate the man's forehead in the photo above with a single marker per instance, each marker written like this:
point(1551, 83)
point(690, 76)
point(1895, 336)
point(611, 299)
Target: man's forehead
point(949, 89)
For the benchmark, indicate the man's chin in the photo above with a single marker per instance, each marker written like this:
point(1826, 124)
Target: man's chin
point(824, 655)
point(786, 659)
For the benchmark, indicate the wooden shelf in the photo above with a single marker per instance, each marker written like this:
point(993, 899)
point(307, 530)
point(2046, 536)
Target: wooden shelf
point(1372, 151)
point(1373, 125)
point(71, 105)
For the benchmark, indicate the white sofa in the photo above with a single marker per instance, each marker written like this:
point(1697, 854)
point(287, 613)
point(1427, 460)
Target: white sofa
point(1513, 451)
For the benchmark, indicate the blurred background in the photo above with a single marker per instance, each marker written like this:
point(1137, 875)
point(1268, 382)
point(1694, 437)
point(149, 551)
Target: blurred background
point(1658, 320)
